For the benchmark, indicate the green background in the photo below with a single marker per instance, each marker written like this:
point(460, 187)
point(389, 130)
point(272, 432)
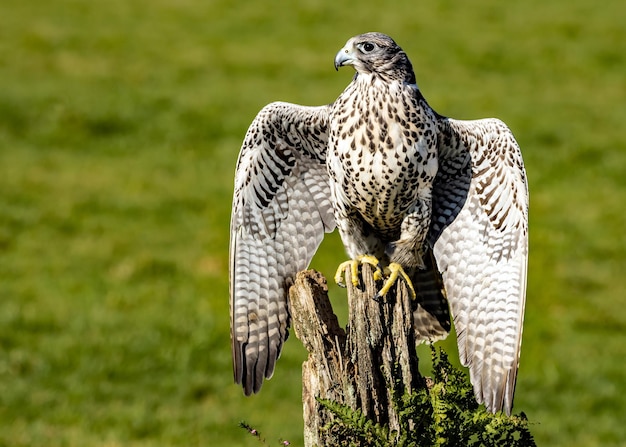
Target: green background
point(120, 124)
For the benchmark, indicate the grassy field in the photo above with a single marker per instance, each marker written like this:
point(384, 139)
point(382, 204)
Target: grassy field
point(120, 124)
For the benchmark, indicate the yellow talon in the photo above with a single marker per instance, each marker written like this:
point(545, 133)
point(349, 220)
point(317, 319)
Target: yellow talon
point(343, 267)
point(353, 264)
point(371, 260)
point(394, 270)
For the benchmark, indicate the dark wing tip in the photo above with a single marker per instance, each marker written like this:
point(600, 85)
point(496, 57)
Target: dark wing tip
point(252, 366)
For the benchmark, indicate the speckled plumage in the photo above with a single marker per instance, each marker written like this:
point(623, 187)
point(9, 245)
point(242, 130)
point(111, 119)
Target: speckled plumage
point(445, 199)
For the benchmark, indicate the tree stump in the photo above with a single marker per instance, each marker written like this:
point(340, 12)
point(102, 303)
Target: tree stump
point(364, 365)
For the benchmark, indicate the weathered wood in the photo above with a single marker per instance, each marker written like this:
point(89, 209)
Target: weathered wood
point(323, 373)
point(363, 366)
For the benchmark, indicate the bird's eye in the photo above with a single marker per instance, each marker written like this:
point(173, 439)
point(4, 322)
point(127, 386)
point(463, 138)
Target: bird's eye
point(367, 47)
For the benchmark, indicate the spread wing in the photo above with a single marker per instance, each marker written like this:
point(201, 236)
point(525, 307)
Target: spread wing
point(479, 234)
point(281, 209)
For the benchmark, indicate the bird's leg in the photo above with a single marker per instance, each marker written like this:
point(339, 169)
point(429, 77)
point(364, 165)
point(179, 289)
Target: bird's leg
point(353, 265)
point(407, 252)
point(394, 271)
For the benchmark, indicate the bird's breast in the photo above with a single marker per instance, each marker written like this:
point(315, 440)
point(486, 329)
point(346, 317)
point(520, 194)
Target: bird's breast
point(382, 153)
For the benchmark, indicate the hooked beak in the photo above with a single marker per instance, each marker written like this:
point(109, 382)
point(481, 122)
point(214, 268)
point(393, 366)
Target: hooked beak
point(343, 57)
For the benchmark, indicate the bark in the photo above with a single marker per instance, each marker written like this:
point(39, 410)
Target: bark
point(364, 365)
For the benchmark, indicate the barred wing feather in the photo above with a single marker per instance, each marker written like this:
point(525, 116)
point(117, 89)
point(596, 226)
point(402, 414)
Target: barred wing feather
point(281, 209)
point(479, 234)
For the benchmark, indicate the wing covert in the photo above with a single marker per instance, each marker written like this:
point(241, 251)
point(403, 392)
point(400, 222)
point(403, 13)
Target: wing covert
point(479, 234)
point(281, 209)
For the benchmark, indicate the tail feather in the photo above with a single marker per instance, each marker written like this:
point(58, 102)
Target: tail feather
point(432, 314)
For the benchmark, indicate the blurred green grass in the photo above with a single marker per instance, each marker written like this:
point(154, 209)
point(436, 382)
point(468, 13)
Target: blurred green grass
point(120, 124)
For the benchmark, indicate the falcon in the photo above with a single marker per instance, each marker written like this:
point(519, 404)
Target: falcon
point(439, 203)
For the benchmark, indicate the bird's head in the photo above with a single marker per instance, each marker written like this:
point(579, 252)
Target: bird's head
point(376, 53)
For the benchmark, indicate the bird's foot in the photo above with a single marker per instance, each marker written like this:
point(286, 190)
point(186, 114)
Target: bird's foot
point(353, 265)
point(395, 271)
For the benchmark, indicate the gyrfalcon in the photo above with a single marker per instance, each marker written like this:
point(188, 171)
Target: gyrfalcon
point(439, 203)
